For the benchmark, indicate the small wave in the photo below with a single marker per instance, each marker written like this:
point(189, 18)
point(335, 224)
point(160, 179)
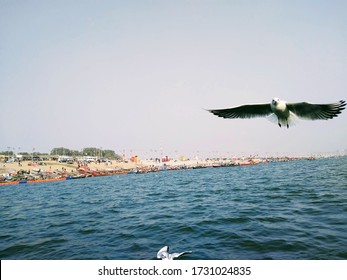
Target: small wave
point(224, 221)
point(61, 224)
point(271, 219)
point(126, 235)
point(87, 231)
point(185, 229)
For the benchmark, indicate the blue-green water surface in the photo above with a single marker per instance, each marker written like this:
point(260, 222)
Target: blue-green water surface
point(283, 210)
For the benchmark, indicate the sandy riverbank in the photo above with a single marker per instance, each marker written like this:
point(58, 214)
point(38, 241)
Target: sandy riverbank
point(50, 166)
point(73, 168)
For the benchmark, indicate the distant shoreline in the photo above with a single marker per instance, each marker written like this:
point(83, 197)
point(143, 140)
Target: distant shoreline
point(50, 171)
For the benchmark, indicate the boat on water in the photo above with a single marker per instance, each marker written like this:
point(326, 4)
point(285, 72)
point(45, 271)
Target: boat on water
point(32, 181)
point(77, 176)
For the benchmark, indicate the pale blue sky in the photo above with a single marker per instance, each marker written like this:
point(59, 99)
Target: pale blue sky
point(136, 75)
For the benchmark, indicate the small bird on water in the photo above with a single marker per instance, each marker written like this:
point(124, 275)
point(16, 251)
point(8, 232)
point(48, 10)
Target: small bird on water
point(285, 113)
point(163, 254)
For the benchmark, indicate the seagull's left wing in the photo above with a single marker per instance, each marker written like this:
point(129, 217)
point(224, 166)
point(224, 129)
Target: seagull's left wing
point(163, 253)
point(244, 111)
point(316, 111)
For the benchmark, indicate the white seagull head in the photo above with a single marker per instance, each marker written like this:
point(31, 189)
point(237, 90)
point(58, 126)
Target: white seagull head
point(275, 100)
point(285, 113)
point(164, 254)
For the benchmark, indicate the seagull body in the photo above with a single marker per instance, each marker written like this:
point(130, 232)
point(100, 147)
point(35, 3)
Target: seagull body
point(163, 254)
point(284, 112)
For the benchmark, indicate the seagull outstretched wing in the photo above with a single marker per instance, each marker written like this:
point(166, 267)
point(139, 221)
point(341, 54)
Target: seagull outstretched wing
point(316, 111)
point(244, 111)
point(177, 255)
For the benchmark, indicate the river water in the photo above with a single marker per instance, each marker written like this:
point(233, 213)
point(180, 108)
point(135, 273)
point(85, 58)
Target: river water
point(280, 210)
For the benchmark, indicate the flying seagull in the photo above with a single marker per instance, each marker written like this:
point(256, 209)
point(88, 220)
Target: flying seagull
point(284, 113)
point(163, 254)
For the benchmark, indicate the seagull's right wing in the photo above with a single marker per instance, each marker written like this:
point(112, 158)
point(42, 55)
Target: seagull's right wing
point(316, 111)
point(177, 255)
point(244, 111)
